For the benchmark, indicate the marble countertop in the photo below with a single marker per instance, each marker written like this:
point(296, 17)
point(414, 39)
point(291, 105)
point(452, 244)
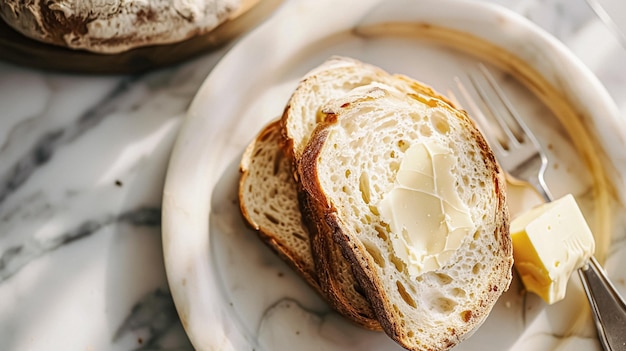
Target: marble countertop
point(82, 165)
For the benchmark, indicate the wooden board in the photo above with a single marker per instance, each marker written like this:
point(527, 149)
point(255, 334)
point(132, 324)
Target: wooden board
point(20, 50)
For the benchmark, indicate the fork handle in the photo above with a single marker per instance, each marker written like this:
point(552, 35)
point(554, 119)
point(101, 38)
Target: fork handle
point(607, 306)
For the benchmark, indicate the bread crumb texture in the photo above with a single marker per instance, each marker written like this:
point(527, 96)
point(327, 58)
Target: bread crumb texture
point(357, 166)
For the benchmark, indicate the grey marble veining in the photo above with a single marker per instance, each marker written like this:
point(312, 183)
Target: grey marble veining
point(82, 161)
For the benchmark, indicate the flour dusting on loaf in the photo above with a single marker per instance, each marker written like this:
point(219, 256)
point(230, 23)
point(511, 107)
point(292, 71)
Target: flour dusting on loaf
point(113, 26)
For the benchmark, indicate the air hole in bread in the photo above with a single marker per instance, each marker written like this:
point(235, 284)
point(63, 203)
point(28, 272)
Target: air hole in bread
point(425, 130)
point(440, 122)
point(364, 187)
point(392, 154)
point(473, 200)
point(347, 173)
point(477, 268)
point(271, 218)
point(299, 236)
point(346, 190)
point(390, 123)
point(382, 233)
point(397, 263)
point(359, 290)
point(465, 178)
point(351, 127)
point(374, 210)
point(476, 235)
point(396, 309)
point(366, 110)
point(375, 253)
point(457, 292)
point(367, 219)
point(410, 334)
point(278, 157)
point(466, 315)
point(443, 279)
point(405, 295)
point(415, 116)
point(443, 304)
point(394, 166)
point(403, 145)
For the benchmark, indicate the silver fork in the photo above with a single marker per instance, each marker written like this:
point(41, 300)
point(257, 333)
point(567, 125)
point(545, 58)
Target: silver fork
point(522, 157)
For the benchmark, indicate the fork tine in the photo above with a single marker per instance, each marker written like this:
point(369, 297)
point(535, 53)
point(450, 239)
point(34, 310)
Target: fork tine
point(527, 161)
point(508, 106)
point(494, 106)
point(520, 154)
point(493, 135)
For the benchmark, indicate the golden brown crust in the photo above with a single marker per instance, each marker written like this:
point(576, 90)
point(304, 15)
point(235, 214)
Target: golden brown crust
point(326, 252)
point(328, 256)
point(328, 230)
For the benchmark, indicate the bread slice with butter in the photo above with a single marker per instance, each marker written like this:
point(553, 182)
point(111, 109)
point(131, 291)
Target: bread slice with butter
point(336, 77)
point(268, 199)
point(434, 272)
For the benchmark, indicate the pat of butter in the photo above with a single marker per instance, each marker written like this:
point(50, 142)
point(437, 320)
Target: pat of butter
point(427, 218)
point(550, 242)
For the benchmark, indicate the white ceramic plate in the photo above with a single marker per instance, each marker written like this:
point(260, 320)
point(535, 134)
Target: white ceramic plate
point(232, 293)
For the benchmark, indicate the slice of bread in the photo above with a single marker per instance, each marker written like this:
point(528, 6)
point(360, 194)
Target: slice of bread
point(268, 198)
point(336, 77)
point(348, 167)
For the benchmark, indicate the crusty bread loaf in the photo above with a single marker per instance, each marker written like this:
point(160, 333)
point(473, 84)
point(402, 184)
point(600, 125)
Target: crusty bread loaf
point(346, 169)
point(112, 26)
point(268, 198)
